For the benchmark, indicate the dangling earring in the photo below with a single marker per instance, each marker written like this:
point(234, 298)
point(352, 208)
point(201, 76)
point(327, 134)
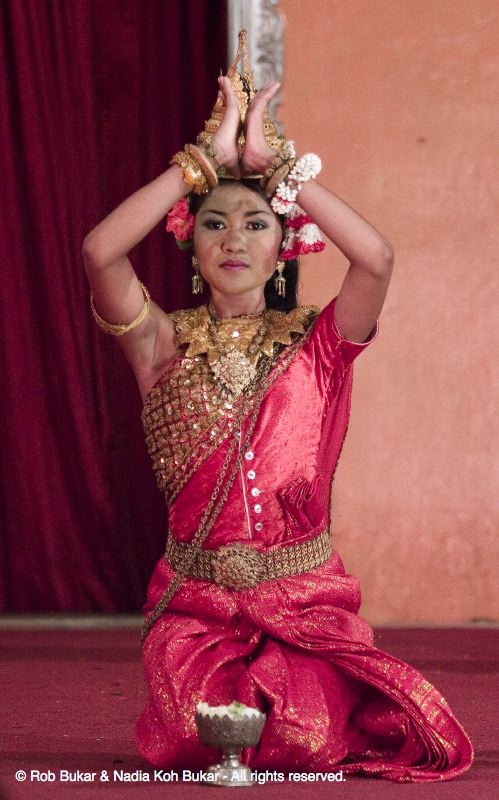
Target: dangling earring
point(197, 281)
point(280, 280)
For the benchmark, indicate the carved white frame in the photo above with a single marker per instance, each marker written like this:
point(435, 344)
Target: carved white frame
point(265, 25)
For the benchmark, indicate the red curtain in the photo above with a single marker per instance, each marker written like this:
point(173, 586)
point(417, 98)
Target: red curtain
point(94, 98)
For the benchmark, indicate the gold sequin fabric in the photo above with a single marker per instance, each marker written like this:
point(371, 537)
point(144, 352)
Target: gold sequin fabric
point(188, 413)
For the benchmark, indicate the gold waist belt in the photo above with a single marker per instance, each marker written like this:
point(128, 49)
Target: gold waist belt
point(239, 566)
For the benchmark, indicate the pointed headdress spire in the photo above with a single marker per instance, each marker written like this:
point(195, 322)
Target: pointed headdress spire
point(244, 87)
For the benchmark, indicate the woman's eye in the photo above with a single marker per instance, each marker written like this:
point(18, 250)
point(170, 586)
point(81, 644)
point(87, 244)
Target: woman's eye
point(213, 224)
point(257, 225)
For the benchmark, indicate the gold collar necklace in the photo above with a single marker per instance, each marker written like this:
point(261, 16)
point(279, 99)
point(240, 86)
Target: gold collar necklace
point(193, 330)
point(235, 367)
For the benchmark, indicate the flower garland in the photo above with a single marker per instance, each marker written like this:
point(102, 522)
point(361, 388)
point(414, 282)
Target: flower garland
point(301, 235)
point(306, 168)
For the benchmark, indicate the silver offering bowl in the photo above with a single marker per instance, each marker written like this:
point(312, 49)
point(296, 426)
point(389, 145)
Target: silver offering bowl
point(230, 735)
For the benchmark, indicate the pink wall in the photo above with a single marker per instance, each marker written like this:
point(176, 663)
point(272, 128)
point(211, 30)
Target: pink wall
point(401, 101)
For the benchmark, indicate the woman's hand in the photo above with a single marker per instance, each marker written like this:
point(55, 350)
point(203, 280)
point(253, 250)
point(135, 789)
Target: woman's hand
point(258, 154)
point(225, 139)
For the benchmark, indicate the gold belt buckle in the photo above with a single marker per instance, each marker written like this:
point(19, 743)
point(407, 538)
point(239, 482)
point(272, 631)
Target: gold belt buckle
point(238, 566)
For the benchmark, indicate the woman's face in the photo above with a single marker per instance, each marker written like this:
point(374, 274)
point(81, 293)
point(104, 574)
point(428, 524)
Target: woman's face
point(237, 238)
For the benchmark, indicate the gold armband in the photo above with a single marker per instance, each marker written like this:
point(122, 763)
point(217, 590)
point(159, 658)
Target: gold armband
point(119, 329)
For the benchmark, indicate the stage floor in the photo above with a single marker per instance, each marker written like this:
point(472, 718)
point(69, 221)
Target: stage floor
point(70, 698)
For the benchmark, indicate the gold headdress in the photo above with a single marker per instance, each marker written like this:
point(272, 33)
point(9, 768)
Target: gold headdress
point(282, 180)
point(244, 88)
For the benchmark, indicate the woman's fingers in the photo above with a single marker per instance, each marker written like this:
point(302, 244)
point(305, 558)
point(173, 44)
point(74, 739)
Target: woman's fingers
point(263, 97)
point(254, 118)
point(225, 139)
point(258, 154)
point(230, 99)
point(231, 118)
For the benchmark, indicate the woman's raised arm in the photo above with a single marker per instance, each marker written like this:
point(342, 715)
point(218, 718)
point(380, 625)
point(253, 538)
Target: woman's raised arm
point(371, 256)
point(364, 288)
point(117, 294)
point(116, 291)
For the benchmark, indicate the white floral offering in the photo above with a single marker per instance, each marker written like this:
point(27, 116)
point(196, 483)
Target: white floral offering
point(236, 710)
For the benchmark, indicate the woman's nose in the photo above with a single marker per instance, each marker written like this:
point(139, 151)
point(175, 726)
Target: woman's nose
point(234, 241)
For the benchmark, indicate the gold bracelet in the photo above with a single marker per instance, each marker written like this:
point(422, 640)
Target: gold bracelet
point(278, 176)
point(119, 329)
point(192, 173)
point(278, 162)
point(212, 153)
point(204, 164)
point(286, 155)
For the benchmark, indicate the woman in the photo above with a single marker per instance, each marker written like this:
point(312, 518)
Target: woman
point(245, 411)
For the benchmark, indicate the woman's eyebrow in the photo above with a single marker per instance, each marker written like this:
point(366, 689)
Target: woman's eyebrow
point(224, 214)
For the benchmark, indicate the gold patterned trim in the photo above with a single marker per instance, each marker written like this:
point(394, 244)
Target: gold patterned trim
point(239, 566)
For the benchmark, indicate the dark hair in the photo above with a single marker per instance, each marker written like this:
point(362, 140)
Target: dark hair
point(291, 270)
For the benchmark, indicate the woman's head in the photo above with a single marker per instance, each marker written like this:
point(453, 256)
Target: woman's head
point(237, 239)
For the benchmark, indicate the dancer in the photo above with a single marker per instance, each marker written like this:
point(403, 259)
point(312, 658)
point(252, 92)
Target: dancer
point(246, 406)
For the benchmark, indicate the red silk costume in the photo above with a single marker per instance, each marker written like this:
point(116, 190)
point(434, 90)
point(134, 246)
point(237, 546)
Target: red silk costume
point(294, 647)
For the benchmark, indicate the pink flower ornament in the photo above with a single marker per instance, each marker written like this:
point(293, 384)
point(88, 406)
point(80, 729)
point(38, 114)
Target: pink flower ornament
point(180, 222)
